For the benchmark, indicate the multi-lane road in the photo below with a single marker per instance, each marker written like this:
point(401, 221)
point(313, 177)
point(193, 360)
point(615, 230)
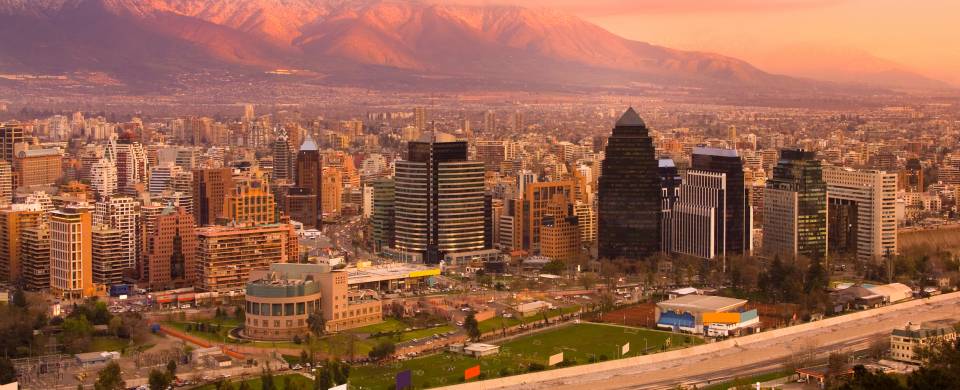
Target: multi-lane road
point(737, 357)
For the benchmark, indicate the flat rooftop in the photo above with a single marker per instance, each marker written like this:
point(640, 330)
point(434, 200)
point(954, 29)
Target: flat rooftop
point(391, 271)
point(702, 303)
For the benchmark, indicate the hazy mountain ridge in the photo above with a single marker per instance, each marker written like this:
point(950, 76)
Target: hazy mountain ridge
point(153, 39)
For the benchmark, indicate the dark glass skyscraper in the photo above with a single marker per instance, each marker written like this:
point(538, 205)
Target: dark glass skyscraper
point(795, 207)
point(736, 210)
point(309, 175)
point(628, 220)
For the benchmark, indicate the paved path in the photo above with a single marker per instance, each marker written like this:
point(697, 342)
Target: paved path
point(736, 356)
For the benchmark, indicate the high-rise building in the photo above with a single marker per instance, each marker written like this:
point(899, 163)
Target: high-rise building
point(250, 202)
point(734, 221)
point(506, 227)
point(71, 253)
point(131, 161)
point(536, 200)
point(103, 178)
point(301, 206)
point(122, 213)
point(283, 159)
point(310, 177)
point(37, 167)
point(178, 199)
point(210, 188)
point(629, 193)
point(170, 253)
point(10, 135)
point(517, 121)
point(12, 223)
point(491, 153)
point(698, 222)
point(489, 122)
point(795, 207)
point(35, 257)
point(332, 191)
point(6, 183)
point(949, 172)
point(352, 128)
point(587, 219)
point(439, 199)
point(669, 193)
point(911, 178)
point(862, 212)
point(108, 255)
point(161, 177)
point(384, 212)
point(226, 255)
point(248, 112)
point(420, 118)
point(559, 230)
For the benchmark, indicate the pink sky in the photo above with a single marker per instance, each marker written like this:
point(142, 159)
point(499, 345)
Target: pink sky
point(921, 35)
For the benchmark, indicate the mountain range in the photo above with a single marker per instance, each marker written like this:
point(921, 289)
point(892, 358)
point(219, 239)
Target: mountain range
point(357, 42)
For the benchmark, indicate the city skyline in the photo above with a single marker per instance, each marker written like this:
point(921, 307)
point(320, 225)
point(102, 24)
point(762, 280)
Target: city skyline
point(465, 194)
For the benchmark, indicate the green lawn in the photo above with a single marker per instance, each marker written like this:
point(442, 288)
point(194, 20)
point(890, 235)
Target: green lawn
point(361, 347)
point(298, 381)
point(107, 343)
point(416, 334)
point(500, 322)
point(581, 343)
point(225, 326)
point(389, 324)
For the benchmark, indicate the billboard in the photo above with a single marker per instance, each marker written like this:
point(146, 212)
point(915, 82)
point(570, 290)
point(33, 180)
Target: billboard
point(404, 380)
point(471, 372)
point(555, 359)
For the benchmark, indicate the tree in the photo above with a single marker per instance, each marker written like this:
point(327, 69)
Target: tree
point(322, 379)
point(317, 324)
point(836, 365)
point(109, 378)
point(472, 326)
point(159, 380)
point(865, 379)
point(266, 379)
point(19, 299)
point(77, 327)
point(172, 368)
point(817, 277)
point(339, 370)
point(588, 280)
point(382, 350)
point(114, 326)
point(239, 314)
point(941, 368)
point(304, 357)
point(554, 267)
point(244, 386)
point(7, 372)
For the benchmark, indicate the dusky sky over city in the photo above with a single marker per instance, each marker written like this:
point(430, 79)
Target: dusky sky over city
point(798, 37)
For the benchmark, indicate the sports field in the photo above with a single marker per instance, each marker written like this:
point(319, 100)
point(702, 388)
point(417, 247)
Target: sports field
point(580, 343)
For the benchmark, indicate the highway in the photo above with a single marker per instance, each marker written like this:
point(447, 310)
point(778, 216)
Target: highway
point(738, 357)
